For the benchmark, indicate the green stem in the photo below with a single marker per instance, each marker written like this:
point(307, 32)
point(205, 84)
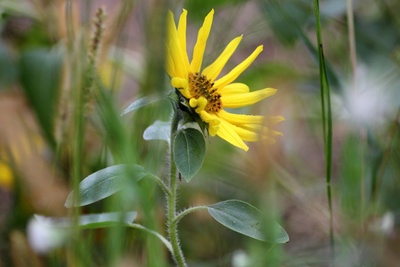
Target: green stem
point(352, 42)
point(327, 123)
point(163, 186)
point(69, 21)
point(171, 199)
point(156, 234)
point(187, 211)
point(78, 130)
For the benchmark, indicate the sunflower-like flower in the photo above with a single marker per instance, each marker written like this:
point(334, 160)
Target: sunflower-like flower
point(208, 94)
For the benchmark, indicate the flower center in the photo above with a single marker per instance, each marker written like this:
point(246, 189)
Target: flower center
point(200, 86)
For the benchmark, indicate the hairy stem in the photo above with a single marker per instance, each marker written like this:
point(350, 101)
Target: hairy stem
point(172, 199)
point(187, 211)
point(156, 234)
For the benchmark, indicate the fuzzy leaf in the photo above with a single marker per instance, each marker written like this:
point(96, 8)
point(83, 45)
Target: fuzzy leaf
point(244, 218)
point(159, 130)
point(104, 183)
point(189, 151)
point(141, 102)
point(91, 221)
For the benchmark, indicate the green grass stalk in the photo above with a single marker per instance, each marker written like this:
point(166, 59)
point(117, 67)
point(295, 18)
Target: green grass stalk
point(326, 121)
point(75, 76)
point(352, 42)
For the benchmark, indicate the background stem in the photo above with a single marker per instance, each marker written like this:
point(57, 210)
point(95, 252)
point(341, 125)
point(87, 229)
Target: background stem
point(327, 123)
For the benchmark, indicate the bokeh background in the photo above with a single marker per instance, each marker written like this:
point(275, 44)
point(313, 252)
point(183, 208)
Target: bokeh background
point(47, 146)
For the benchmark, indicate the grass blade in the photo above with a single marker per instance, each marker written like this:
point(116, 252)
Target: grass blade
point(326, 121)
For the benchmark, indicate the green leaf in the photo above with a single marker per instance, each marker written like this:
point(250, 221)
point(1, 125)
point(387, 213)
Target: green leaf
point(330, 72)
point(91, 221)
point(8, 68)
point(286, 18)
point(244, 218)
point(189, 151)
point(159, 130)
point(199, 9)
point(40, 73)
point(141, 102)
point(104, 183)
point(351, 185)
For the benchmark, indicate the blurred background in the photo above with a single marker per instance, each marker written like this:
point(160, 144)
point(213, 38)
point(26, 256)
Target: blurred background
point(69, 68)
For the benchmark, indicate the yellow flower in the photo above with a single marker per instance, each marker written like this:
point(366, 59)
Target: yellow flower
point(6, 176)
point(209, 94)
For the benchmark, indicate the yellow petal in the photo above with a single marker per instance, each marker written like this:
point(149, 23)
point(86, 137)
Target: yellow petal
point(174, 49)
point(178, 82)
point(252, 127)
point(169, 65)
point(246, 99)
point(234, 88)
point(246, 135)
point(201, 42)
point(180, 68)
point(193, 102)
point(6, 176)
point(207, 117)
point(265, 131)
point(238, 119)
point(212, 120)
point(227, 132)
point(213, 127)
point(199, 103)
point(182, 33)
point(277, 133)
point(256, 134)
point(216, 67)
point(233, 74)
point(183, 86)
point(259, 127)
point(275, 119)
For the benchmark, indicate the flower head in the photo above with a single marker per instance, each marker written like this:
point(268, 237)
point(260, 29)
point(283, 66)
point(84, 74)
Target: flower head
point(207, 93)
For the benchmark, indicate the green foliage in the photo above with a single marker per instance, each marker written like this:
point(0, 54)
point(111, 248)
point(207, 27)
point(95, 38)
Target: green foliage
point(352, 162)
point(244, 218)
point(159, 130)
point(104, 183)
point(40, 74)
point(142, 102)
point(92, 221)
point(199, 9)
point(326, 118)
point(331, 75)
point(8, 68)
point(189, 150)
point(287, 18)
point(351, 182)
